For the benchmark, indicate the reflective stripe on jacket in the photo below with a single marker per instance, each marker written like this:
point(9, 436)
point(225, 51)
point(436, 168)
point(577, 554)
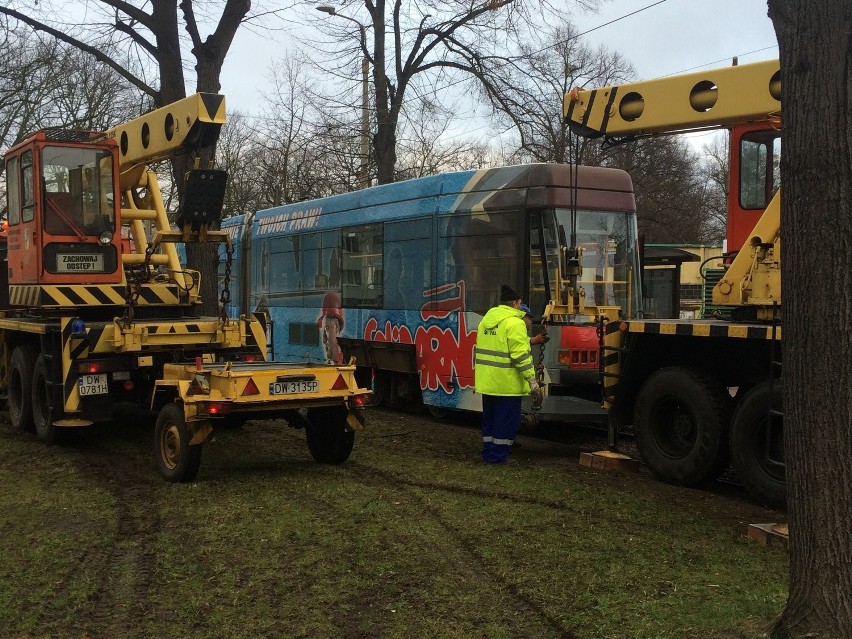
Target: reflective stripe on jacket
point(504, 363)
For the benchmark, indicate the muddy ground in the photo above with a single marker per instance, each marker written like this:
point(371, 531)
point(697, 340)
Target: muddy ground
point(107, 571)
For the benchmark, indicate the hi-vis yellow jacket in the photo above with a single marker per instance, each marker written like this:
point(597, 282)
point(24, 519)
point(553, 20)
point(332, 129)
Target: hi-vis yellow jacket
point(504, 363)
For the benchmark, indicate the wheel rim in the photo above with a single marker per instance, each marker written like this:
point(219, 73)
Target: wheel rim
point(675, 427)
point(170, 447)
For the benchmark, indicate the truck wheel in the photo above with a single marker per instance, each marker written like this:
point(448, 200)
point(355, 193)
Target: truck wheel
point(329, 440)
point(20, 387)
point(177, 460)
point(681, 422)
point(764, 480)
point(42, 416)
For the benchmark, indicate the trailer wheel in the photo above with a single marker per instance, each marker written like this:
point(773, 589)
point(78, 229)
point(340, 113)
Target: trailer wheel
point(329, 440)
point(176, 459)
point(681, 422)
point(42, 415)
point(764, 480)
point(20, 387)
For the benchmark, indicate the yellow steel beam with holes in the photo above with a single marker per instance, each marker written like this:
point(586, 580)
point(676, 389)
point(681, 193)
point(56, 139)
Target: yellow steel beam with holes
point(187, 124)
point(703, 100)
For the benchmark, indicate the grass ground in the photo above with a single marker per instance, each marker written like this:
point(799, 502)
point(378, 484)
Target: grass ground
point(410, 538)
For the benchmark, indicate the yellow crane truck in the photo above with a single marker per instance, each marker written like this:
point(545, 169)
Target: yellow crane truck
point(96, 308)
point(702, 393)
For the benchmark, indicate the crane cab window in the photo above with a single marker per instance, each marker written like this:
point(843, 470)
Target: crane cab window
point(27, 191)
point(77, 191)
point(13, 192)
point(760, 156)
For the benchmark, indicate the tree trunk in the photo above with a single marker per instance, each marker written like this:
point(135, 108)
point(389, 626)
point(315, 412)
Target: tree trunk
point(816, 62)
point(169, 61)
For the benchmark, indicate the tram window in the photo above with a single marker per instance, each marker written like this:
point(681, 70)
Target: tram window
point(537, 290)
point(408, 263)
point(283, 274)
point(482, 250)
point(14, 194)
point(318, 265)
point(361, 266)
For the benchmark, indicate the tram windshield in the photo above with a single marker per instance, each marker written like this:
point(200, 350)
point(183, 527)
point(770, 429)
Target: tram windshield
point(610, 263)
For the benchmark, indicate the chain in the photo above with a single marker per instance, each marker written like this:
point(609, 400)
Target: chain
point(539, 367)
point(225, 298)
point(135, 278)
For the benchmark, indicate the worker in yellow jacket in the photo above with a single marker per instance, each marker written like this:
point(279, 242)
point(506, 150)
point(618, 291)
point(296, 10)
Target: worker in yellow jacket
point(504, 373)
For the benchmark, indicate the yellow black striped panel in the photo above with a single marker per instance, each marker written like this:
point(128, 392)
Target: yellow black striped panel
point(706, 328)
point(70, 354)
point(610, 356)
point(91, 295)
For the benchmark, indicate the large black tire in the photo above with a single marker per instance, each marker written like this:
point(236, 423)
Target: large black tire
point(42, 415)
point(681, 423)
point(764, 480)
point(329, 439)
point(20, 387)
point(176, 459)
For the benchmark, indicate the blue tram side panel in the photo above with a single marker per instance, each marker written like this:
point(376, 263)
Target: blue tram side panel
point(398, 276)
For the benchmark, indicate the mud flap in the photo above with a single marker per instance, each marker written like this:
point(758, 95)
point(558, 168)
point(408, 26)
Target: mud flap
point(355, 419)
point(200, 431)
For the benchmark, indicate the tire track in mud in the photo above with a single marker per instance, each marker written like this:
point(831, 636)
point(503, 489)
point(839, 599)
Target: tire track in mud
point(466, 557)
point(123, 563)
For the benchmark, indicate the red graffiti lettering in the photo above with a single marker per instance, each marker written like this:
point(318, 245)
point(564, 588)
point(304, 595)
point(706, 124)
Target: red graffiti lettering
point(391, 333)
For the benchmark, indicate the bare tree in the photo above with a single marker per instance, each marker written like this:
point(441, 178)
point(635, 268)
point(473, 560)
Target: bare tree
point(426, 48)
point(427, 146)
point(526, 95)
point(715, 167)
point(671, 194)
point(816, 207)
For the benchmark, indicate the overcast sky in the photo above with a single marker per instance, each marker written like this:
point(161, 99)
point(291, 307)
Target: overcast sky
point(661, 37)
point(676, 36)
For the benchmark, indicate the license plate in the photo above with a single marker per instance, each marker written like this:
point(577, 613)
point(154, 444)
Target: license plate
point(93, 385)
point(289, 388)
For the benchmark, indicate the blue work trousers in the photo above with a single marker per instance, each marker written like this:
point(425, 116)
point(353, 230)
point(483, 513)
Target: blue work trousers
point(501, 420)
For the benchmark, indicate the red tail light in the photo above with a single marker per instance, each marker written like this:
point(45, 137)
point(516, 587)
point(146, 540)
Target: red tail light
point(94, 367)
point(218, 408)
point(358, 401)
point(249, 358)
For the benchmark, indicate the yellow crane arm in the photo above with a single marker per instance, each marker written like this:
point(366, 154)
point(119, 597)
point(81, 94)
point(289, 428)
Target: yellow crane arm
point(677, 104)
point(187, 125)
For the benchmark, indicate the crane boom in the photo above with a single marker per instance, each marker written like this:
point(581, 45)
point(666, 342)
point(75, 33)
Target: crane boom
point(190, 124)
point(677, 104)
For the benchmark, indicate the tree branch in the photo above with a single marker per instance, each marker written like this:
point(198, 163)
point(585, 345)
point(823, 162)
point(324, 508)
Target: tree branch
point(134, 13)
point(95, 53)
point(191, 25)
point(135, 36)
